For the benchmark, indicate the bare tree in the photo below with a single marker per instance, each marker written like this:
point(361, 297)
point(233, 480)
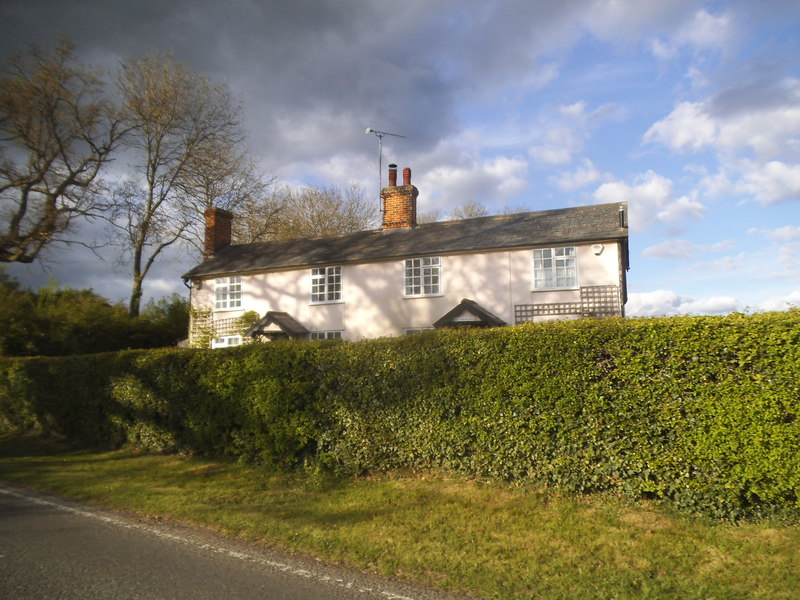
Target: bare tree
point(258, 217)
point(223, 174)
point(57, 130)
point(429, 216)
point(315, 212)
point(469, 210)
point(463, 211)
point(185, 133)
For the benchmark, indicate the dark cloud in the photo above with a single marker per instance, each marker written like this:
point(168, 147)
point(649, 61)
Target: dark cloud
point(333, 68)
point(767, 88)
point(313, 75)
point(323, 69)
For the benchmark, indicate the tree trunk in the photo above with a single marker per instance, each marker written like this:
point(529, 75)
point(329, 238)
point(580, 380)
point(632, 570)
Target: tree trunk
point(138, 277)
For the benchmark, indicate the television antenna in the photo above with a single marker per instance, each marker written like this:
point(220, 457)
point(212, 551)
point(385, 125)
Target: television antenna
point(379, 135)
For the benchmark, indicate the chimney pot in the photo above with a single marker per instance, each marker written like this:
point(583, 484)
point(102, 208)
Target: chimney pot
point(392, 175)
point(406, 176)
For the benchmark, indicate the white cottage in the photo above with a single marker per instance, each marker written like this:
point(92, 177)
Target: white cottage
point(404, 277)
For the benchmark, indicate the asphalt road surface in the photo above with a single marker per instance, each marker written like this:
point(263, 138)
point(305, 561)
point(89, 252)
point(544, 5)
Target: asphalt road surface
point(56, 549)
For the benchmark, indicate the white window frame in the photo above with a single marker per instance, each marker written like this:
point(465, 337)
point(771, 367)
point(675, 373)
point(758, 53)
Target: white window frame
point(555, 268)
point(419, 275)
point(228, 293)
point(415, 330)
point(226, 341)
point(316, 336)
point(326, 285)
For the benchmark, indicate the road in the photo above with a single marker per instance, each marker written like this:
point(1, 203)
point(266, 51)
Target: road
point(56, 549)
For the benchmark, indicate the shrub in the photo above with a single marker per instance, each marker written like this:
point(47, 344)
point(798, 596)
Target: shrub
point(702, 411)
point(60, 322)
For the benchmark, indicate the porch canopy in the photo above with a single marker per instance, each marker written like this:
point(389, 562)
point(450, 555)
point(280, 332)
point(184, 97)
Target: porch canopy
point(277, 325)
point(469, 313)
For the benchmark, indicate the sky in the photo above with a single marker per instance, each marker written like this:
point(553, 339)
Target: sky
point(687, 110)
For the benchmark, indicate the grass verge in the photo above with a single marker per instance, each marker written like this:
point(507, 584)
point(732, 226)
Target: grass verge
point(485, 539)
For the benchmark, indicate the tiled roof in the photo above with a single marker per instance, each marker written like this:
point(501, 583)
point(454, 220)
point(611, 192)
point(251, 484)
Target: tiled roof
point(524, 230)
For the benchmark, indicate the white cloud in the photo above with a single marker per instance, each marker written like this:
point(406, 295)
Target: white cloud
point(688, 128)
point(779, 261)
point(651, 200)
point(672, 249)
point(558, 145)
point(781, 303)
point(783, 255)
point(761, 117)
point(509, 173)
point(473, 180)
point(682, 208)
point(668, 302)
point(663, 50)
point(771, 183)
point(720, 246)
point(703, 32)
point(623, 20)
point(715, 305)
point(566, 129)
point(683, 249)
point(781, 234)
point(753, 129)
point(570, 181)
point(726, 263)
point(789, 258)
point(707, 30)
point(717, 185)
point(767, 183)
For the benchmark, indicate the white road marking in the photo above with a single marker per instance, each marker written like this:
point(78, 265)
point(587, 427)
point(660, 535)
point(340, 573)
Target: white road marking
point(272, 564)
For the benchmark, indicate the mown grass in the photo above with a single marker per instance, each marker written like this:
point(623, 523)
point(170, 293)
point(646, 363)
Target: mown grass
point(485, 539)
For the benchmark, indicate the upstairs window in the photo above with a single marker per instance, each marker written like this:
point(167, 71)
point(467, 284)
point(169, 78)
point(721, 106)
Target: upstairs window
point(555, 268)
point(228, 292)
point(326, 285)
point(423, 276)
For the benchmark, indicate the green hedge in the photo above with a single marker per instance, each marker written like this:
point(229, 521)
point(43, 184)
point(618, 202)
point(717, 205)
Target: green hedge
point(699, 410)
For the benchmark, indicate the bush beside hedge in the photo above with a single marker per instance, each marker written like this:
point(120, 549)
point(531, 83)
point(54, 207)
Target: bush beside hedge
point(699, 410)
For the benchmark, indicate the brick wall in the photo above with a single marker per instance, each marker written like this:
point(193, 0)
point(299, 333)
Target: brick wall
point(399, 202)
point(218, 230)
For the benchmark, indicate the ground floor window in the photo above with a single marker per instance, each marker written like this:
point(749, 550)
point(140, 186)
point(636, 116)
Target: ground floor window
point(413, 330)
point(325, 335)
point(226, 340)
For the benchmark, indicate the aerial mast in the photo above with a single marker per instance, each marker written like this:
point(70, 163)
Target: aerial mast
point(379, 135)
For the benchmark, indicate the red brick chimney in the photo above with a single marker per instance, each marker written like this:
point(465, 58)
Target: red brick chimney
point(399, 201)
point(218, 230)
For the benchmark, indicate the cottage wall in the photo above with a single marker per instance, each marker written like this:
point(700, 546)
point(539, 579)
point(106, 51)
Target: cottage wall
point(373, 304)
